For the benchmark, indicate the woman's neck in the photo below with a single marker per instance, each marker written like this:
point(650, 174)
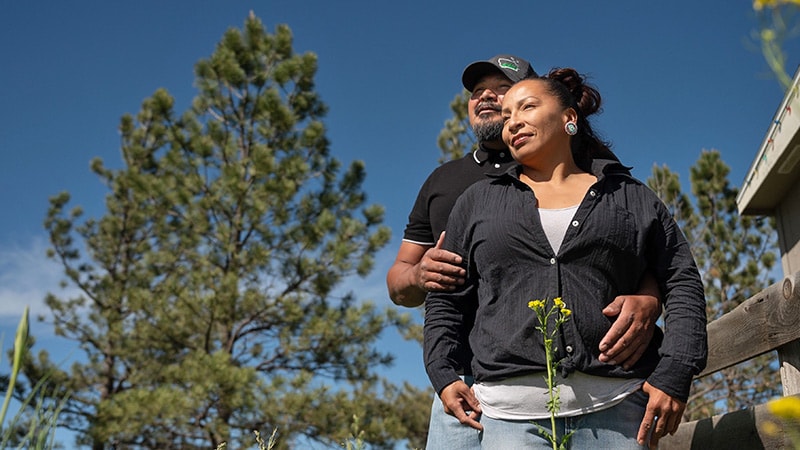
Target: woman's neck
point(552, 171)
point(557, 186)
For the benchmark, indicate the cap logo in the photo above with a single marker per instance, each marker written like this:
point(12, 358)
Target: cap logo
point(509, 64)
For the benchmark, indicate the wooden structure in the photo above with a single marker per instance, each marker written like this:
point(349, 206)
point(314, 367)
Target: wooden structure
point(769, 320)
point(765, 322)
point(772, 185)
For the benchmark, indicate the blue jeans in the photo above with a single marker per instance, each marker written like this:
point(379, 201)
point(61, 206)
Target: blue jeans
point(612, 428)
point(445, 432)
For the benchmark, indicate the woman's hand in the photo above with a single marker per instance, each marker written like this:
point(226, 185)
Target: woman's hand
point(663, 411)
point(459, 401)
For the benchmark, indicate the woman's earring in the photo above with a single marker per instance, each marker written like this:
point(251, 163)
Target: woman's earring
point(571, 128)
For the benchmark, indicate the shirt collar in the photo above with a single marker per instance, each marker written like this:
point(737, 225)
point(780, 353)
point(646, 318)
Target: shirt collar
point(482, 154)
point(600, 168)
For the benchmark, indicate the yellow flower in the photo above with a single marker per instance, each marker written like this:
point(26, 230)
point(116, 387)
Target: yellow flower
point(770, 428)
point(758, 5)
point(566, 312)
point(535, 304)
point(558, 302)
point(785, 408)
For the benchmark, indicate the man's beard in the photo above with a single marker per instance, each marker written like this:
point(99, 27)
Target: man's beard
point(488, 131)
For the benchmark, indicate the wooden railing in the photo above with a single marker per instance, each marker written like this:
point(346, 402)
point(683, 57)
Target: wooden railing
point(763, 323)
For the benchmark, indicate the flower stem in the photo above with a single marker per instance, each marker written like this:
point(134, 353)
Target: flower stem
point(548, 346)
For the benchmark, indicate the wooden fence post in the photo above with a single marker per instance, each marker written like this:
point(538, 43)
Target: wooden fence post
point(789, 354)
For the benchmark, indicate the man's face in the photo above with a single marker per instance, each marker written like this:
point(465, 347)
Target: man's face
point(484, 107)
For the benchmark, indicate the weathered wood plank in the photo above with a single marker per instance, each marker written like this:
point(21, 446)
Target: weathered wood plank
point(789, 357)
point(737, 430)
point(760, 324)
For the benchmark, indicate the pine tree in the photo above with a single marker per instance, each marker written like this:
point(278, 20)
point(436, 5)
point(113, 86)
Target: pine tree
point(456, 139)
point(736, 256)
point(210, 301)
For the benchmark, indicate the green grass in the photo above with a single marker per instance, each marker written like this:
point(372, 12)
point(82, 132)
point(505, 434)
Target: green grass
point(34, 424)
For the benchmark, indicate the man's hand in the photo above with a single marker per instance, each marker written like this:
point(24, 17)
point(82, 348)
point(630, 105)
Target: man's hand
point(631, 333)
point(438, 269)
point(629, 336)
point(666, 412)
point(419, 269)
point(459, 401)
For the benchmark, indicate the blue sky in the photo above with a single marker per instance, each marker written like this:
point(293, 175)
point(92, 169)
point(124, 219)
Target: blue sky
point(676, 77)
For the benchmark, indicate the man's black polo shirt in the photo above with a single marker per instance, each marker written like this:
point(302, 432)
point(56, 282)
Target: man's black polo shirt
point(444, 185)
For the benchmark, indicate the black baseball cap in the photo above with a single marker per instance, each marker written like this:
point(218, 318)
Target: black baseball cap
point(511, 66)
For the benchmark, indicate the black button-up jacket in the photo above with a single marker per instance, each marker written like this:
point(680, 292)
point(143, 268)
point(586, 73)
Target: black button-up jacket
point(620, 229)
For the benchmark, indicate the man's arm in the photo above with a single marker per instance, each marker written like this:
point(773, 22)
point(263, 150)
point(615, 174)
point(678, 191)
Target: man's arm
point(419, 269)
point(631, 333)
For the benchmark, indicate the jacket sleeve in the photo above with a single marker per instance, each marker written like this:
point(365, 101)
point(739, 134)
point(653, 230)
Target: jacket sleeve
point(449, 315)
point(684, 351)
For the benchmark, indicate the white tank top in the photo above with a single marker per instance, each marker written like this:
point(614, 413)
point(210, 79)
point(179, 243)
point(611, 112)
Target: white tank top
point(555, 223)
point(525, 397)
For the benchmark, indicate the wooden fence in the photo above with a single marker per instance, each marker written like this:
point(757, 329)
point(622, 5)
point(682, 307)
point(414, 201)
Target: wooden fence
point(766, 322)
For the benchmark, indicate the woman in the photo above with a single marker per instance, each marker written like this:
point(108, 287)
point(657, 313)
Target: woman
point(570, 222)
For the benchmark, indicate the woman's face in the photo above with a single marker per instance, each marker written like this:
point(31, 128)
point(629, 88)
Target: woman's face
point(534, 122)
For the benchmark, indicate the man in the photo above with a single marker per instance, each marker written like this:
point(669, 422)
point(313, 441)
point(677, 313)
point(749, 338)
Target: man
point(422, 266)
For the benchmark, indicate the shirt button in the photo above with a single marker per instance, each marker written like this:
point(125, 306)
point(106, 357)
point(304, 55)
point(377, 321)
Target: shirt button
point(502, 154)
point(496, 165)
point(575, 223)
point(569, 349)
point(593, 193)
point(552, 260)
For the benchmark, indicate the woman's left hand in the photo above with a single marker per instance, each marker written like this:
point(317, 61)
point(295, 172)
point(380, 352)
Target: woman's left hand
point(663, 411)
